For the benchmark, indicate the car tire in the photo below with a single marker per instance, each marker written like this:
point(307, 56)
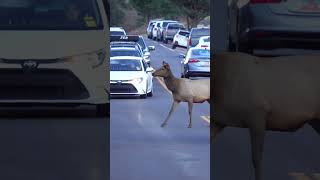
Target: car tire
point(143, 96)
point(182, 76)
point(174, 45)
point(103, 110)
point(150, 94)
point(165, 41)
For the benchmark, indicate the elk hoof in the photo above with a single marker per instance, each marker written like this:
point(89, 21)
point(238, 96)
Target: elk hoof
point(163, 125)
point(190, 126)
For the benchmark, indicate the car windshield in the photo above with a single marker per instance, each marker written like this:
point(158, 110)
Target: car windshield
point(184, 33)
point(207, 39)
point(117, 33)
point(200, 53)
point(124, 52)
point(141, 43)
point(125, 65)
point(49, 15)
point(201, 32)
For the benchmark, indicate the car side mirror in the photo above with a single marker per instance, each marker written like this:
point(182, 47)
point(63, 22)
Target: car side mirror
point(151, 48)
point(149, 69)
point(182, 56)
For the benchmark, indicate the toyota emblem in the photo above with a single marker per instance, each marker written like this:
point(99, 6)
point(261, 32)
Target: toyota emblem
point(29, 65)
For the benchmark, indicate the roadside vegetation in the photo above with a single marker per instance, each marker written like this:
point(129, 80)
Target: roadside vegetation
point(135, 14)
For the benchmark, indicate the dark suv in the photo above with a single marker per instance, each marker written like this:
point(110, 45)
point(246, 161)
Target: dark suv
point(195, 35)
point(171, 30)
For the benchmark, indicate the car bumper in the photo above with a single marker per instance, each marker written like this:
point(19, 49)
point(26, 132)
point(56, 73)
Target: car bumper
point(263, 27)
point(133, 89)
point(198, 71)
point(60, 82)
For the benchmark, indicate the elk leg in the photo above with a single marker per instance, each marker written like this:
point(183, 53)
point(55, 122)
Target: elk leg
point(257, 133)
point(190, 105)
point(173, 108)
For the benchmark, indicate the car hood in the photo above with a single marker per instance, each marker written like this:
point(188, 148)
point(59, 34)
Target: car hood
point(125, 75)
point(49, 44)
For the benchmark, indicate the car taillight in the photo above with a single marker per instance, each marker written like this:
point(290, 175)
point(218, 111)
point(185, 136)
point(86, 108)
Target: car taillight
point(193, 60)
point(264, 1)
point(190, 43)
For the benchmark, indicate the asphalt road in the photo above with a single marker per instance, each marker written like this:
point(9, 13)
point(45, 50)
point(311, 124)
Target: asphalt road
point(142, 150)
point(52, 144)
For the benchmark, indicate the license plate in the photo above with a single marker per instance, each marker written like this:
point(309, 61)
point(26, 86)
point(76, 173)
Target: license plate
point(304, 6)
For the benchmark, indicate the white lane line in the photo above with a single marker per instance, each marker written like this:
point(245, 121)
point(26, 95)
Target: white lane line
point(206, 118)
point(167, 47)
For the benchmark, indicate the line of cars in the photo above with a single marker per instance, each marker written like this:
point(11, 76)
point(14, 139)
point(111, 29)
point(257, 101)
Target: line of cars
point(130, 60)
point(176, 32)
point(196, 62)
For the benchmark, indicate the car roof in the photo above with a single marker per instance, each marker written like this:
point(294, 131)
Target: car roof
point(124, 48)
point(125, 58)
point(116, 29)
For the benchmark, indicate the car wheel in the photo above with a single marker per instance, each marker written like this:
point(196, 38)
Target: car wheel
point(165, 41)
point(150, 94)
point(103, 110)
point(143, 96)
point(174, 45)
point(182, 76)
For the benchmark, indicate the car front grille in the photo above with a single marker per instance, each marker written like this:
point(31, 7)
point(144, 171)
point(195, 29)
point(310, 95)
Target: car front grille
point(40, 84)
point(122, 88)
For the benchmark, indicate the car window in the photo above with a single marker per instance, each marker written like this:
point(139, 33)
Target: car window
point(200, 53)
point(141, 43)
point(165, 23)
point(49, 15)
point(200, 32)
point(206, 39)
point(175, 26)
point(158, 24)
point(125, 65)
point(117, 33)
point(124, 52)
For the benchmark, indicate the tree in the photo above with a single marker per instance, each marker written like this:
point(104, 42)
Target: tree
point(195, 10)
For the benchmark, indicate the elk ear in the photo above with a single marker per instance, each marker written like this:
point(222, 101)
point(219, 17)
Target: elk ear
point(164, 63)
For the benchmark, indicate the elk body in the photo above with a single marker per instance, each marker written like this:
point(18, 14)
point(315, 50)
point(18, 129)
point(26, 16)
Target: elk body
point(278, 94)
point(184, 90)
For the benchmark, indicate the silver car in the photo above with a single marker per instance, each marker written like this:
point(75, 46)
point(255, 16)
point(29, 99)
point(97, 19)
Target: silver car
point(274, 24)
point(196, 63)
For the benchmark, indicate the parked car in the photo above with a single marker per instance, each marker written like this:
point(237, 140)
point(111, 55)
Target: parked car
point(195, 35)
point(117, 31)
point(181, 38)
point(196, 63)
point(171, 30)
point(47, 60)
point(204, 42)
point(268, 25)
point(150, 27)
point(155, 30)
point(162, 25)
point(130, 76)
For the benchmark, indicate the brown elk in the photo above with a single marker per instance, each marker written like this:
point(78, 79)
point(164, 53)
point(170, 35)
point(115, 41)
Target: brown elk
point(183, 90)
point(259, 93)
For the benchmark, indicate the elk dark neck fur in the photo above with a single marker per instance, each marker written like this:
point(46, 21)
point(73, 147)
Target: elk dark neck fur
point(171, 82)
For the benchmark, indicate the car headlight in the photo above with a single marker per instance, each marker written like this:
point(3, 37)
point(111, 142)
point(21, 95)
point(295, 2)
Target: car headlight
point(95, 59)
point(136, 80)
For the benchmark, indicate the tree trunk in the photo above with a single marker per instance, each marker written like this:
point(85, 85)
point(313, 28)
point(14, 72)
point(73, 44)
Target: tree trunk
point(188, 23)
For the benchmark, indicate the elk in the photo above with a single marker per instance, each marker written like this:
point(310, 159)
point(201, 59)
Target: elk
point(183, 90)
point(259, 93)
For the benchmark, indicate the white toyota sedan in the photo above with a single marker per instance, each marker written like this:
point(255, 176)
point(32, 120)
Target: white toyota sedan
point(130, 76)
